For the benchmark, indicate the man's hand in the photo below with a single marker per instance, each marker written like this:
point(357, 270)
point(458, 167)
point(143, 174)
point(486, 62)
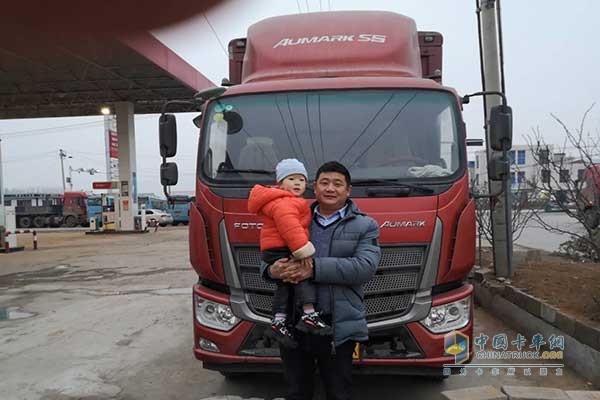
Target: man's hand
point(299, 271)
point(277, 269)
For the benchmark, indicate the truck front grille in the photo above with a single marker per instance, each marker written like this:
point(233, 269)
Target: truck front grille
point(389, 293)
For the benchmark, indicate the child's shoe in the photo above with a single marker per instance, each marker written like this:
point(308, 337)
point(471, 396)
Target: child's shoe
point(312, 323)
point(281, 333)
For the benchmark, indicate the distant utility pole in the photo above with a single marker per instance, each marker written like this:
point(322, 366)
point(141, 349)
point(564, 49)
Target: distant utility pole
point(63, 154)
point(493, 80)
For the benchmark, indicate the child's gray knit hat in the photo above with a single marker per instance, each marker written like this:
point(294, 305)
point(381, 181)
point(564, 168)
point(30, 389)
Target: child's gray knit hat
point(289, 166)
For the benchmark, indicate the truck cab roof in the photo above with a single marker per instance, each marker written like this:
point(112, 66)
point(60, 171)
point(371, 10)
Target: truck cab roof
point(335, 44)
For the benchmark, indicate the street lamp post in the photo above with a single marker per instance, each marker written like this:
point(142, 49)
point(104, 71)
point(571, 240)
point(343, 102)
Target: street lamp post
point(91, 171)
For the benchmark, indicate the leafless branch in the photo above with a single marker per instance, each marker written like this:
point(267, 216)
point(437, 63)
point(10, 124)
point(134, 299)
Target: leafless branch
point(564, 189)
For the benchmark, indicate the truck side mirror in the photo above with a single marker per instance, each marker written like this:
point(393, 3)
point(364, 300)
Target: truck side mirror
point(198, 121)
point(498, 168)
point(501, 128)
point(167, 128)
point(168, 174)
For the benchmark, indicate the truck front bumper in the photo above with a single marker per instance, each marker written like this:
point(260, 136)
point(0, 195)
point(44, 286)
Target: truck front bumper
point(407, 350)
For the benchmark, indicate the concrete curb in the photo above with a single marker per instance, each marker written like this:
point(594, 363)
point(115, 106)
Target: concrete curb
point(518, 393)
point(529, 315)
point(579, 330)
point(487, 393)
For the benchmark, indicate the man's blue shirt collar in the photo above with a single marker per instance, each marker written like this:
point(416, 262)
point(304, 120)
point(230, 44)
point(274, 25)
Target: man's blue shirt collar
point(325, 221)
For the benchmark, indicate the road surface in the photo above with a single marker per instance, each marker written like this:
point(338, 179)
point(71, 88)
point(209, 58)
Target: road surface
point(110, 318)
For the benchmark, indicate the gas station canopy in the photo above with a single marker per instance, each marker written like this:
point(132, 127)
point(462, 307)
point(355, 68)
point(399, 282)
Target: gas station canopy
point(77, 78)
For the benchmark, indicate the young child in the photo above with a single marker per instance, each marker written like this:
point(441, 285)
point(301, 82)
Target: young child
point(284, 234)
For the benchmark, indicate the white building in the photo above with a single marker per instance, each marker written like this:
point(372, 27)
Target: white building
point(525, 169)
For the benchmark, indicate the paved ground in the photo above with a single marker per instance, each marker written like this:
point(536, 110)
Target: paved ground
point(536, 237)
point(111, 319)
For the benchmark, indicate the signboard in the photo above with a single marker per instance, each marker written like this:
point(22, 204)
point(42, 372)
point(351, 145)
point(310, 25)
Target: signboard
point(113, 141)
point(113, 154)
point(105, 185)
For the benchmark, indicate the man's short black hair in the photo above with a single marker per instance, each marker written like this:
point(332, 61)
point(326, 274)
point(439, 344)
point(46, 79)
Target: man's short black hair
point(334, 166)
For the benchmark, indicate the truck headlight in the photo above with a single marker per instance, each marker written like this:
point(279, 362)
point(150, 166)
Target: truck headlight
point(214, 315)
point(449, 316)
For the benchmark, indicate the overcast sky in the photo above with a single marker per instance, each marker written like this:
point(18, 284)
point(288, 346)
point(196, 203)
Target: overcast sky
point(551, 66)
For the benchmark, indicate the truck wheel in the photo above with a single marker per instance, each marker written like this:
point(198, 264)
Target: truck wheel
point(39, 222)
point(70, 221)
point(592, 218)
point(25, 222)
point(54, 221)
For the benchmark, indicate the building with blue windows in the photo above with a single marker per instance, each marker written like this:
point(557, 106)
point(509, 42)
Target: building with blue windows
point(527, 167)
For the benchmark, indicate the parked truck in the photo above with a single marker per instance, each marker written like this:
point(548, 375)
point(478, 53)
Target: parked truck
point(589, 199)
point(363, 88)
point(38, 210)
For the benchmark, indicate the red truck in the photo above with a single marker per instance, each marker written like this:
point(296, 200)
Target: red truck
point(38, 210)
point(363, 88)
point(589, 200)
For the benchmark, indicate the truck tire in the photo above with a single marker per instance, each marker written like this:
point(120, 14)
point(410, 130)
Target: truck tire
point(70, 221)
point(25, 222)
point(39, 221)
point(592, 218)
point(54, 221)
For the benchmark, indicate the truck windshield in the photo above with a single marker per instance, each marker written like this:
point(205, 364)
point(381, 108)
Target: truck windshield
point(377, 134)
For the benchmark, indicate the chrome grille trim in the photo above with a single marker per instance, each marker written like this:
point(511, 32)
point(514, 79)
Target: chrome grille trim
point(394, 257)
point(261, 303)
point(385, 283)
point(419, 308)
point(248, 256)
point(251, 280)
point(381, 283)
point(391, 291)
point(374, 306)
point(385, 305)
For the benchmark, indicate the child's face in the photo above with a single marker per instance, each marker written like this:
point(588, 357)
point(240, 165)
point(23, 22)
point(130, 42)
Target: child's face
point(295, 184)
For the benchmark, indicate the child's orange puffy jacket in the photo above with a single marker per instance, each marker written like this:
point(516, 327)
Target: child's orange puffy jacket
point(286, 219)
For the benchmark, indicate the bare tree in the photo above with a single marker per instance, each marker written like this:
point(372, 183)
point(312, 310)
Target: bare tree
point(568, 191)
point(522, 212)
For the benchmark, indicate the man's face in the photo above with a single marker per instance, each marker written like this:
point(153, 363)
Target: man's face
point(331, 190)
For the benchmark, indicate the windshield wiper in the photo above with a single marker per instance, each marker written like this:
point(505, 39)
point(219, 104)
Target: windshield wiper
point(393, 182)
point(246, 170)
